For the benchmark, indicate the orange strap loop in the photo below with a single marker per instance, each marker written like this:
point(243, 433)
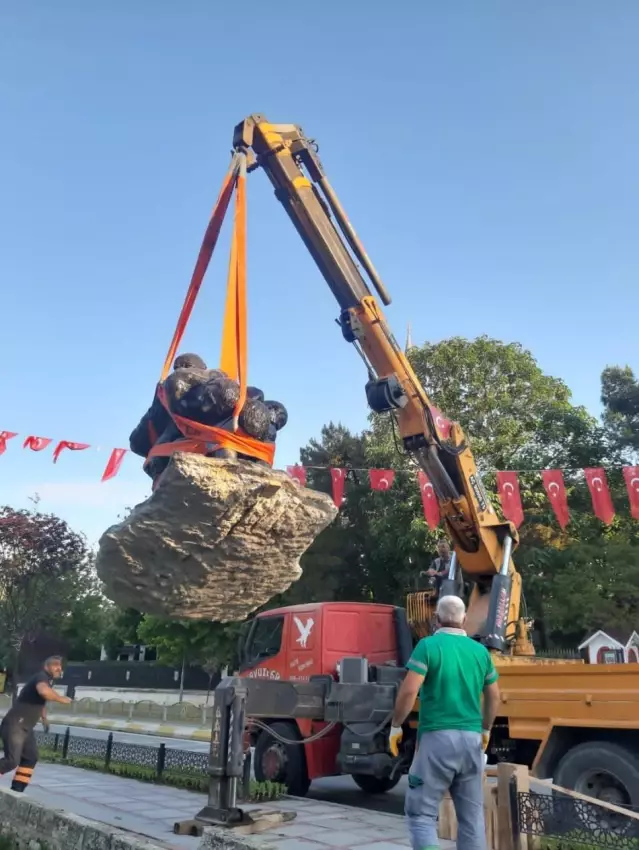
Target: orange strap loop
point(202, 439)
point(234, 355)
point(204, 258)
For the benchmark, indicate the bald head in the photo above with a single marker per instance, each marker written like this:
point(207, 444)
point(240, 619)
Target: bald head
point(189, 361)
point(451, 612)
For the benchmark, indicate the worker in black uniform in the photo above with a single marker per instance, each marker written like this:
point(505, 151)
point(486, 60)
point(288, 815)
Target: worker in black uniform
point(16, 730)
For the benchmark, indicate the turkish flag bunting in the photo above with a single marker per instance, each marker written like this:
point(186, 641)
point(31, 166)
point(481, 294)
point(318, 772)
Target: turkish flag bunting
point(113, 464)
point(510, 497)
point(631, 476)
point(36, 444)
point(381, 479)
point(429, 500)
point(556, 491)
point(65, 444)
point(4, 436)
point(443, 424)
point(600, 494)
point(297, 473)
point(338, 477)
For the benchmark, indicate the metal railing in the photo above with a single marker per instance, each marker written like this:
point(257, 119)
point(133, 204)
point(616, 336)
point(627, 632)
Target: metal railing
point(160, 760)
point(562, 820)
point(180, 712)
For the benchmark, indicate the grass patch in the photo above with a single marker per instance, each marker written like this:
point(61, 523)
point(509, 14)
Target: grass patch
point(259, 791)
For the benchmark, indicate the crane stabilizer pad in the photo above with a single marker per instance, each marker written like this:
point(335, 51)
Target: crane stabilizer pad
point(216, 540)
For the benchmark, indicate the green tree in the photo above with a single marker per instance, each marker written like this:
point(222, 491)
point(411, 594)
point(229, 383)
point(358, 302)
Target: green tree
point(620, 397)
point(183, 643)
point(84, 626)
point(45, 567)
point(515, 417)
point(120, 628)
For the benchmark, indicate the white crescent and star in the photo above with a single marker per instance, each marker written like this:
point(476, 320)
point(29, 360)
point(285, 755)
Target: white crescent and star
point(508, 488)
point(553, 489)
point(594, 481)
point(427, 490)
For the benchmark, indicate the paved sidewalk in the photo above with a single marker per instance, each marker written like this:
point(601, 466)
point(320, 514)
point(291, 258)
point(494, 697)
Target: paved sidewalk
point(152, 810)
point(141, 727)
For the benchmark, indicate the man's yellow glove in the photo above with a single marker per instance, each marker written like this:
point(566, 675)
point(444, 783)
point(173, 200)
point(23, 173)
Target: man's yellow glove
point(395, 739)
point(485, 739)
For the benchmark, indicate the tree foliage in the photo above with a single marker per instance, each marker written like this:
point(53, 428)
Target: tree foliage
point(516, 417)
point(620, 397)
point(44, 568)
point(193, 642)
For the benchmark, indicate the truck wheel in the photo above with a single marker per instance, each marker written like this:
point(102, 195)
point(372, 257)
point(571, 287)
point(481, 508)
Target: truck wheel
point(605, 771)
point(285, 763)
point(374, 784)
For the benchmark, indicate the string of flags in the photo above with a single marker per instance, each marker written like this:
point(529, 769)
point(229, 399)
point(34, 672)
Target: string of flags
point(39, 444)
point(508, 491)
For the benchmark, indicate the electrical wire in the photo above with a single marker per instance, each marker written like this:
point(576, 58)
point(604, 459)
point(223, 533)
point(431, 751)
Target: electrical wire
point(322, 733)
point(266, 728)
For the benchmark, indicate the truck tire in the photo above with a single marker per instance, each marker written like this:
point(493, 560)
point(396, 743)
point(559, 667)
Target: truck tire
point(374, 784)
point(606, 771)
point(278, 762)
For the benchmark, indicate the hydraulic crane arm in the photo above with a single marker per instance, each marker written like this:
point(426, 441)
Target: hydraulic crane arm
point(482, 542)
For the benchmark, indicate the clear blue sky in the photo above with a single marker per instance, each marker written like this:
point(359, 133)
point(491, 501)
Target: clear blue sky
point(485, 151)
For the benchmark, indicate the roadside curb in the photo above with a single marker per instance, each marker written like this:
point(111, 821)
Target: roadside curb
point(136, 728)
point(217, 838)
point(36, 826)
point(157, 730)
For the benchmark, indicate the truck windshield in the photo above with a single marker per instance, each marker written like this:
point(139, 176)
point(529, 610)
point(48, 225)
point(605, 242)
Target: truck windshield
point(265, 640)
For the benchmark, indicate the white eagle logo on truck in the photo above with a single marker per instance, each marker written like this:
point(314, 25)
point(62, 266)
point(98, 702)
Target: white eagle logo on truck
point(304, 629)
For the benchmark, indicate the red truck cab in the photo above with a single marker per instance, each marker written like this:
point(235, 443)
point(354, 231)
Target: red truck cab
point(304, 641)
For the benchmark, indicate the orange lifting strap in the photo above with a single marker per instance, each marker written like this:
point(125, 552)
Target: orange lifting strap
point(202, 439)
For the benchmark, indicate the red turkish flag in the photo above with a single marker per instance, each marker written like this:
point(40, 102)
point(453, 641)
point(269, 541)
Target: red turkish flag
point(338, 477)
point(381, 479)
point(65, 444)
point(510, 497)
point(556, 491)
point(4, 436)
point(429, 500)
point(631, 475)
point(600, 494)
point(36, 444)
point(297, 473)
point(113, 464)
point(443, 424)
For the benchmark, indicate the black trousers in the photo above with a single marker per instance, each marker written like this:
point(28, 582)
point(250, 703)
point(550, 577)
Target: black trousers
point(20, 752)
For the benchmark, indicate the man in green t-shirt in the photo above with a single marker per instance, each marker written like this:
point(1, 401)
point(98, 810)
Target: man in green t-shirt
point(453, 672)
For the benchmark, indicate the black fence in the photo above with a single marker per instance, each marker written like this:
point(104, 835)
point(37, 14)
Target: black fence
point(138, 675)
point(563, 821)
point(160, 760)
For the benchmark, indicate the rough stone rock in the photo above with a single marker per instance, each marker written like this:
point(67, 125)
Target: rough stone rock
point(217, 539)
